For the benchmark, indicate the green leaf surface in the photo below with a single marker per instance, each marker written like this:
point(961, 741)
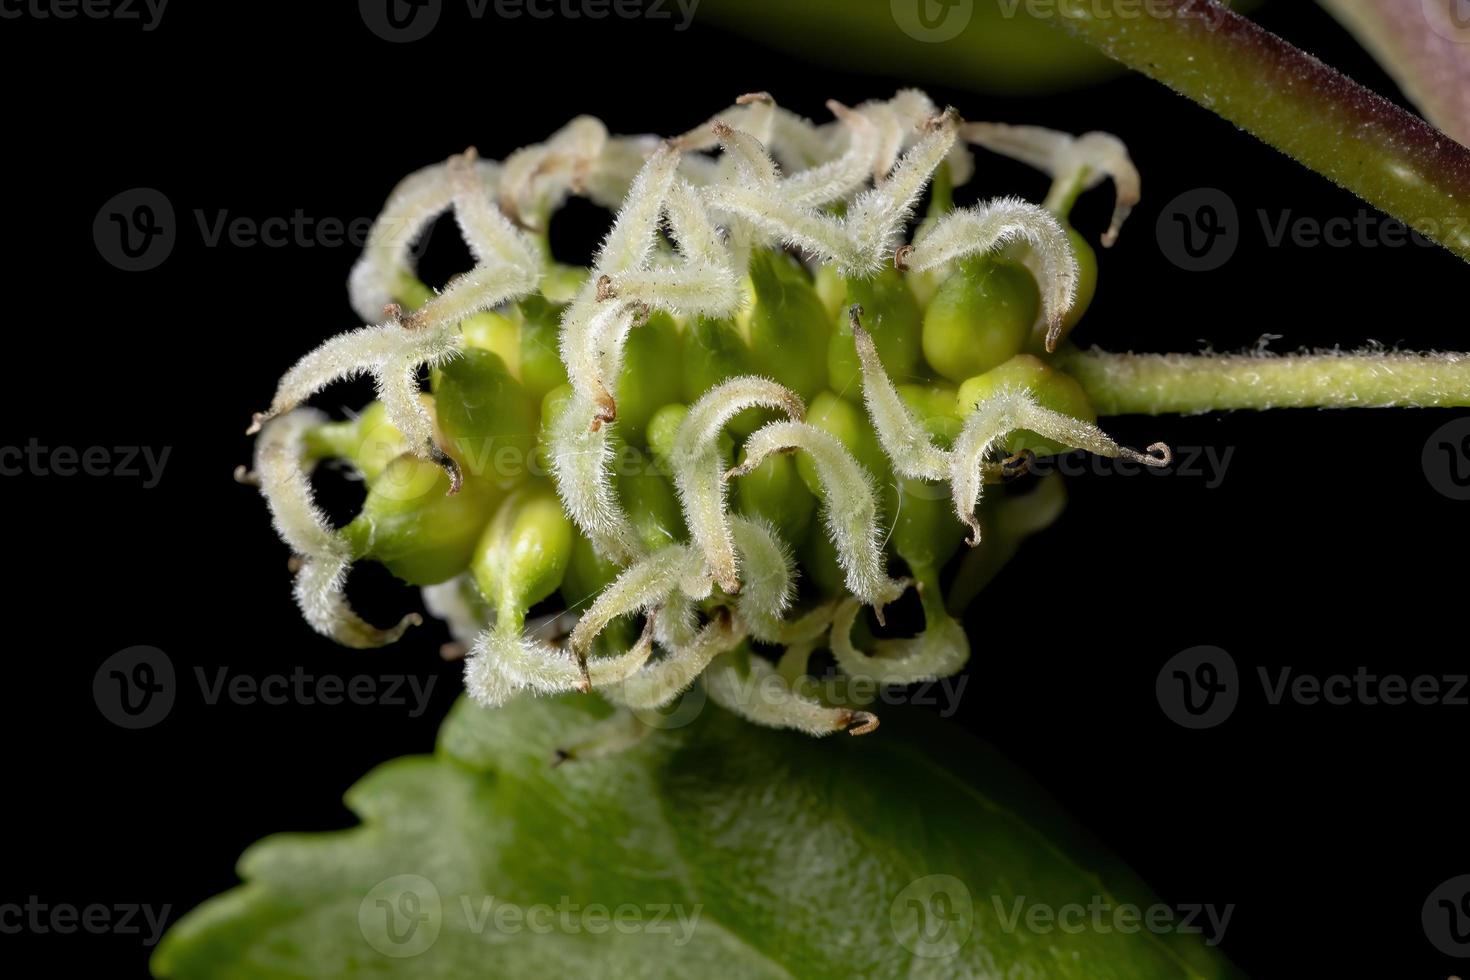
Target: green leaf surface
point(713, 849)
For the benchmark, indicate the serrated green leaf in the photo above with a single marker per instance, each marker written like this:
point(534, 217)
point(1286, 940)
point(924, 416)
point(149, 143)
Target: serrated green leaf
point(716, 849)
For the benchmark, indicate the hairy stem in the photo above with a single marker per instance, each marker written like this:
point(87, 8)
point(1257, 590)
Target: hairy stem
point(1294, 102)
point(1158, 384)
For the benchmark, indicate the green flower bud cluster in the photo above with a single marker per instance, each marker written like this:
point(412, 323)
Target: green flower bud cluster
point(495, 405)
point(703, 442)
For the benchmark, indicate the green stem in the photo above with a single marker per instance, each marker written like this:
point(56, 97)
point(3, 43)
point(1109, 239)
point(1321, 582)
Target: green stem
point(1292, 101)
point(1064, 193)
point(1157, 384)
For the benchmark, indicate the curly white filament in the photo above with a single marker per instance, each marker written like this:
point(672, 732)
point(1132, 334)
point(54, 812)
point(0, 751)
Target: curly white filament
point(698, 475)
point(1074, 162)
point(985, 228)
point(323, 555)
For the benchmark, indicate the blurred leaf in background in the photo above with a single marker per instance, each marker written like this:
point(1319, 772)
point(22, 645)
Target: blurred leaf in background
point(1425, 46)
point(986, 45)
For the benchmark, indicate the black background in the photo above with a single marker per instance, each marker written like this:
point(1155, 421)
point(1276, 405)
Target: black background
point(1325, 547)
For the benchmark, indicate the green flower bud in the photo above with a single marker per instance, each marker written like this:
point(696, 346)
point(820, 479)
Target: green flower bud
point(560, 284)
point(941, 201)
point(369, 442)
point(819, 563)
point(540, 368)
point(981, 317)
point(651, 377)
point(1051, 388)
point(525, 341)
point(485, 418)
point(926, 533)
point(553, 403)
point(789, 327)
point(664, 427)
point(775, 491)
point(496, 333)
point(1086, 279)
point(715, 351)
point(648, 495)
point(410, 524)
point(849, 423)
point(522, 557)
point(411, 292)
point(933, 406)
point(586, 575)
point(1086, 284)
point(892, 315)
point(831, 289)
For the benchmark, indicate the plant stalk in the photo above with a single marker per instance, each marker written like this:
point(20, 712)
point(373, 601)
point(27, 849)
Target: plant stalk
point(1314, 114)
point(1158, 384)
